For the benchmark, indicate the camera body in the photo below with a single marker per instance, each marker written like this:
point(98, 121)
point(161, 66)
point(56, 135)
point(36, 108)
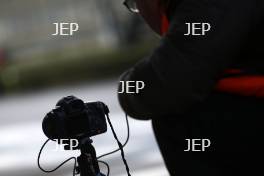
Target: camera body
point(74, 119)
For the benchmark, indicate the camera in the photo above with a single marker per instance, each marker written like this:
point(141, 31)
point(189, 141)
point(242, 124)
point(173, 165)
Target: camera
point(74, 119)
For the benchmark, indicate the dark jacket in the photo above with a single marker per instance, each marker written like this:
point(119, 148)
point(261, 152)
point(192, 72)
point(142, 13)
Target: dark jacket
point(183, 71)
point(180, 95)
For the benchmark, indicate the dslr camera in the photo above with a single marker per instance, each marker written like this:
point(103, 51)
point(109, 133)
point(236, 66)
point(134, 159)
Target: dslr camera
point(74, 119)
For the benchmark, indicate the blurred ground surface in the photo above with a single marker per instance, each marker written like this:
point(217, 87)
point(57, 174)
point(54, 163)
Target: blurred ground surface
point(21, 134)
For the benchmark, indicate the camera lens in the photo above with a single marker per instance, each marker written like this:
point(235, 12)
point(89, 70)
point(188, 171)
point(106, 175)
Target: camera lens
point(48, 126)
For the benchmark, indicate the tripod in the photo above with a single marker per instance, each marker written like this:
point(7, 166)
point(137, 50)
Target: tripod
point(87, 161)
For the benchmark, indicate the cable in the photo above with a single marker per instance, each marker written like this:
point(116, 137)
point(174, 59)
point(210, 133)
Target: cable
point(127, 139)
point(49, 171)
point(107, 166)
point(119, 145)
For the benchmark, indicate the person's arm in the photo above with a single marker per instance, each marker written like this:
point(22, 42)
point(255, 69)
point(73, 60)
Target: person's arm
point(183, 70)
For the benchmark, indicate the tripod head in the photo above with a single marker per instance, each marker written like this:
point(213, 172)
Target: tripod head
point(87, 161)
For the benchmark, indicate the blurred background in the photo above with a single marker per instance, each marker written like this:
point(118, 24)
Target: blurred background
point(37, 69)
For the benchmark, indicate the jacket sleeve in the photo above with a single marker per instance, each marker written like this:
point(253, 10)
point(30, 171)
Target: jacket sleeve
point(183, 70)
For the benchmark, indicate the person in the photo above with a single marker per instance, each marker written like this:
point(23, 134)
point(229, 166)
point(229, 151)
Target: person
point(207, 86)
